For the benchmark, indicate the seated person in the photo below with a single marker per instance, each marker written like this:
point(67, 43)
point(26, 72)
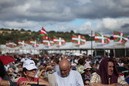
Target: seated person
point(107, 75)
point(29, 72)
point(4, 78)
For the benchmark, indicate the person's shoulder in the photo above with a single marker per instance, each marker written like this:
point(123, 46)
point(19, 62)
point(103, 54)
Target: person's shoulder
point(20, 80)
point(56, 74)
point(75, 72)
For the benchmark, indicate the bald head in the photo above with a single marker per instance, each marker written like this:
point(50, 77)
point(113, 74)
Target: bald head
point(65, 66)
point(64, 63)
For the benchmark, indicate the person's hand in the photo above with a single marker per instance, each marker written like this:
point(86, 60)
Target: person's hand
point(99, 84)
point(43, 82)
point(24, 83)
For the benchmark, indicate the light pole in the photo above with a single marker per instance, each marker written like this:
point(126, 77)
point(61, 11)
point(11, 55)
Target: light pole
point(91, 42)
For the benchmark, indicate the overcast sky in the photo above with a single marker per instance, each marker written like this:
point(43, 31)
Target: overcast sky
point(104, 16)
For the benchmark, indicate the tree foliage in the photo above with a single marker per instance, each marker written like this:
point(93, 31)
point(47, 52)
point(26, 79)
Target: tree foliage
point(13, 35)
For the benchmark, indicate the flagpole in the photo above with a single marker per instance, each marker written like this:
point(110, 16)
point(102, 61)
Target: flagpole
point(91, 42)
point(125, 50)
point(114, 51)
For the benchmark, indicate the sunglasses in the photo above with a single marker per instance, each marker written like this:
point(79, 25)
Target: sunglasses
point(32, 70)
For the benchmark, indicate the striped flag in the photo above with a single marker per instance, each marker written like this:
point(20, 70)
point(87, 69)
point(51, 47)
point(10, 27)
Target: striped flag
point(34, 43)
point(78, 39)
point(60, 41)
point(43, 32)
point(120, 37)
point(101, 38)
point(11, 44)
point(21, 43)
point(48, 42)
point(45, 38)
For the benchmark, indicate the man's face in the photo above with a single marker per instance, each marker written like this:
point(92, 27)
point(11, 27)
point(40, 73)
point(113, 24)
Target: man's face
point(110, 68)
point(64, 71)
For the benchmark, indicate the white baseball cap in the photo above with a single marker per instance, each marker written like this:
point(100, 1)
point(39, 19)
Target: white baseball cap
point(29, 64)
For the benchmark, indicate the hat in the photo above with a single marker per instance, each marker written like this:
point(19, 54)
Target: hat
point(87, 65)
point(29, 64)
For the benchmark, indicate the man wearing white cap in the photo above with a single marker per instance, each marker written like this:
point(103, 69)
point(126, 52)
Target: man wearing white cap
point(29, 72)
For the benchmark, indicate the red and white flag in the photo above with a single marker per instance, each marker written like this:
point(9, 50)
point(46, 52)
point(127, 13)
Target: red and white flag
point(48, 42)
point(45, 38)
point(43, 32)
point(78, 39)
point(120, 37)
point(34, 43)
point(11, 44)
point(60, 41)
point(101, 38)
point(21, 43)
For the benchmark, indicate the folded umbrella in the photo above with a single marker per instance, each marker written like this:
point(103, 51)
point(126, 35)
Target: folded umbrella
point(7, 59)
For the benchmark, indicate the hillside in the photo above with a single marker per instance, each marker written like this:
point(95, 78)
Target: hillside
point(12, 35)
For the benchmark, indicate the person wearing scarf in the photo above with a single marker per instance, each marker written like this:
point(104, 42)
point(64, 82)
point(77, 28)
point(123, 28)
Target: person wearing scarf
point(107, 74)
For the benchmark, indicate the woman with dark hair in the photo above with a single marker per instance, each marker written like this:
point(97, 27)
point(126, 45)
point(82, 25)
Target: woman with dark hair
point(2, 70)
point(4, 78)
point(107, 74)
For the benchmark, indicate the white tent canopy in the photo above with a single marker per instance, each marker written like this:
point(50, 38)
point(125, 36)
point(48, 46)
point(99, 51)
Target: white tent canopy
point(68, 45)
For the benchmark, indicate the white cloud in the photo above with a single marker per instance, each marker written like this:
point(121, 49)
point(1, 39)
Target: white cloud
point(114, 23)
point(107, 14)
point(24, 24)
point(111, 23)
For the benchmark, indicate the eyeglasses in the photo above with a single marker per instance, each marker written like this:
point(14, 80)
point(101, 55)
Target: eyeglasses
point(87, 84)
point(32, 70)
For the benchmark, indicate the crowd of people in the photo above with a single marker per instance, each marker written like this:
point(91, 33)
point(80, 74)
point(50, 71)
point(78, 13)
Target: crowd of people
point(64, 70)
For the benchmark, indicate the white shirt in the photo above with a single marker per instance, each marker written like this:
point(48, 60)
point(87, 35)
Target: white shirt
point(73, 79)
